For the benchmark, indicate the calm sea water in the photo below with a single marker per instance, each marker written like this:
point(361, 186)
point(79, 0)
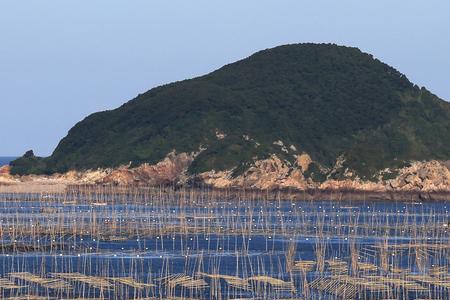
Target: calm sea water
point(4, 160)
point(152, 238)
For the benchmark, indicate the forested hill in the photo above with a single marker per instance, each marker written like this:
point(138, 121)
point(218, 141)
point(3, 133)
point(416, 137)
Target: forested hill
point(332, 102)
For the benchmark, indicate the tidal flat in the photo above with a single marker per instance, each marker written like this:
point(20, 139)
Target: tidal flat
point(93, 242)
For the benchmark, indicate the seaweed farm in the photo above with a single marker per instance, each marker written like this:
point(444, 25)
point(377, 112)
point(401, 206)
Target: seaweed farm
point(167, 243)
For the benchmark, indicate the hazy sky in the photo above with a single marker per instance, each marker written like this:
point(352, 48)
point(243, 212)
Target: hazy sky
point(62, 60)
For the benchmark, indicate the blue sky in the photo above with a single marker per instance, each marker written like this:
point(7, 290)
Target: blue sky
point(62, 60)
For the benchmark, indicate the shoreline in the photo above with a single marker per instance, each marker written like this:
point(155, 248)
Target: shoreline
point(419, 181)
point(293, 194)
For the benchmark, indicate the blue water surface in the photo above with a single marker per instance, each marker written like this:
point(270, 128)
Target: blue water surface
point(4, 160)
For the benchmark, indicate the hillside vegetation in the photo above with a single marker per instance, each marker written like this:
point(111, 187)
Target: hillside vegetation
point(325, 100)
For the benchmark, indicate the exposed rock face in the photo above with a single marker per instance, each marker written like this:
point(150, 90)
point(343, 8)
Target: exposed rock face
point(269, 173)
point(303, 161)
point(348, 184)
point(423, 178)
point(170, 170)
point(221, 179)
point(272, 173)
point(5, 169)
point(5, 177)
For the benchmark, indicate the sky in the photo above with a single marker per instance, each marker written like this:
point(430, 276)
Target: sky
point(63, 60)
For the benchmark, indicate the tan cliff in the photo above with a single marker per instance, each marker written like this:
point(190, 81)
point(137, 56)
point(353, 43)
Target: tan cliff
point(422, 176)
point(5, 177)
point(172, 169)
point(270, 173)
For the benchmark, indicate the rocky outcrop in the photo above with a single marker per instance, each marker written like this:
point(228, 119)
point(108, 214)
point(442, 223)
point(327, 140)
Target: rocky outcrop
point(5, 170)
point(5, 177)
point(303, 162)
point(270, 173)
point(274, 173)
point(422, 176)
point(425, 179)
point(172, 169)
point(349, 184)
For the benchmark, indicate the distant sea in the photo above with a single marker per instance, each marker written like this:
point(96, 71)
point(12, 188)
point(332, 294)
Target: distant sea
point(4, 160)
